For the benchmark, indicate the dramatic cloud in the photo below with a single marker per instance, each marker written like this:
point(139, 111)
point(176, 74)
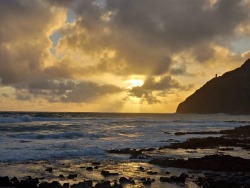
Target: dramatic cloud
point(88, 51)
point(151, 85)
point(145, 34)
point(86, 92)
point(64, 91)
point(24, 42)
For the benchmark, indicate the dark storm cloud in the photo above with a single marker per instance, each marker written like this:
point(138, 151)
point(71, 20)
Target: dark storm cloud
point(144, 95)
point(64, 91)
point(165, 83)
point(88, 91)
point(23, 39)
point(176, 23)
point(145, 33)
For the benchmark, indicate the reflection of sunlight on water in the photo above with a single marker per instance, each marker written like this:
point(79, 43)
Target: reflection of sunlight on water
point(130, 135)
point(66, 167)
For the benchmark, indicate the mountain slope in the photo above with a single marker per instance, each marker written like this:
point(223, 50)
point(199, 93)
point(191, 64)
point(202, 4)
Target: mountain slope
point(229, 93)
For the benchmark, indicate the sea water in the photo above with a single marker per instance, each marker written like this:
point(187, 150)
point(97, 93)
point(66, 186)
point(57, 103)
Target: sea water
point(48, 136)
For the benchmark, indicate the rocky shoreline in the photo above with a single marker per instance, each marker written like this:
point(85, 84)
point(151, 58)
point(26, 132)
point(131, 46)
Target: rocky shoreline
point(146, 170)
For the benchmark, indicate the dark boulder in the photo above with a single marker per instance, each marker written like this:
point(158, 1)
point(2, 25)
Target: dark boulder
point(116, 185)
point(124, 180)
point(221, 163)
point(5, 181)
point(89, 168)
point(147, 181)
point(49, 169)
point(103, 184)
point(66, 185)
point(85, 184)
point(151, 172)
point(106, 173)
point(72, 176)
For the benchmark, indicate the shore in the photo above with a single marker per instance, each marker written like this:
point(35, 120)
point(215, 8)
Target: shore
point(221, 161)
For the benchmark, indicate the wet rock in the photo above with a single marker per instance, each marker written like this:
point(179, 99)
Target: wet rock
point(66, 185)
point(103, 184)
point(226, 149)
point(14, 180)
point(44, 185)
point(148, 149)
point(229, 180)
point(5, 181)
point(209, 142)
point(167, 133)
point(213, 183)
point(88, 182)
point(106, 173)
point(179, 133)
point(135, 153)
point(125, 151)
point(25, 184)
point(89, 168)
point(191, 151)
point(72, 176)
point(175, 179)
point(200, 133)
point(243, 132)
point(224, 163)
point(61, 176)
point(124, 180)
point(152, 173)
point(85, 184)
point(142, 156)
point(49, 169)
point(181, 179)
point(141, 169)
point(54, 184)
point(116, 185)
point(237, 137)
point(147, 181)
point(165, 179)
point(96, 163)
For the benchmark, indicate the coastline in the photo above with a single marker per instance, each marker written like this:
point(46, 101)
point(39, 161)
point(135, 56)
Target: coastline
point(204, 165)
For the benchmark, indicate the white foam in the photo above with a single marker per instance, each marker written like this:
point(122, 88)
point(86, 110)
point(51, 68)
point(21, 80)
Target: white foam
point(62, 135)
point(28, 137)
point(27, 118)
point(50, 154)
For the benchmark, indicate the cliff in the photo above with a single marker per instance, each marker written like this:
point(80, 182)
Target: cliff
point(229, 93)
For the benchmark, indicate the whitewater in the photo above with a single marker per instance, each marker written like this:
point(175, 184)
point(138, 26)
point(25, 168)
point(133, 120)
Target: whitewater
point(37, 136)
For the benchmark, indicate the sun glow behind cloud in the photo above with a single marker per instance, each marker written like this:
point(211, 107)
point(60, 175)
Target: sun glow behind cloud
point(134, 83)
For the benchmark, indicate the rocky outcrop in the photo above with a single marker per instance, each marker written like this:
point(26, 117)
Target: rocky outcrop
point(229, 93)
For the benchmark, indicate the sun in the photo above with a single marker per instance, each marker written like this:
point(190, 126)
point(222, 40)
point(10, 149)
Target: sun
point(134, 83)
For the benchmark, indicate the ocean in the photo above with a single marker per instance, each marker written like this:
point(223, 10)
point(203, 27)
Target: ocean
point(36, 136)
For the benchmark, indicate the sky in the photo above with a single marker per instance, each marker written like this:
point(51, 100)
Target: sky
point(116, 55)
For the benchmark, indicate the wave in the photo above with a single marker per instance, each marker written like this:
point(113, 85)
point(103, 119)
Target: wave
point(53, 154)
point(62, 135)
point(27, 118)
